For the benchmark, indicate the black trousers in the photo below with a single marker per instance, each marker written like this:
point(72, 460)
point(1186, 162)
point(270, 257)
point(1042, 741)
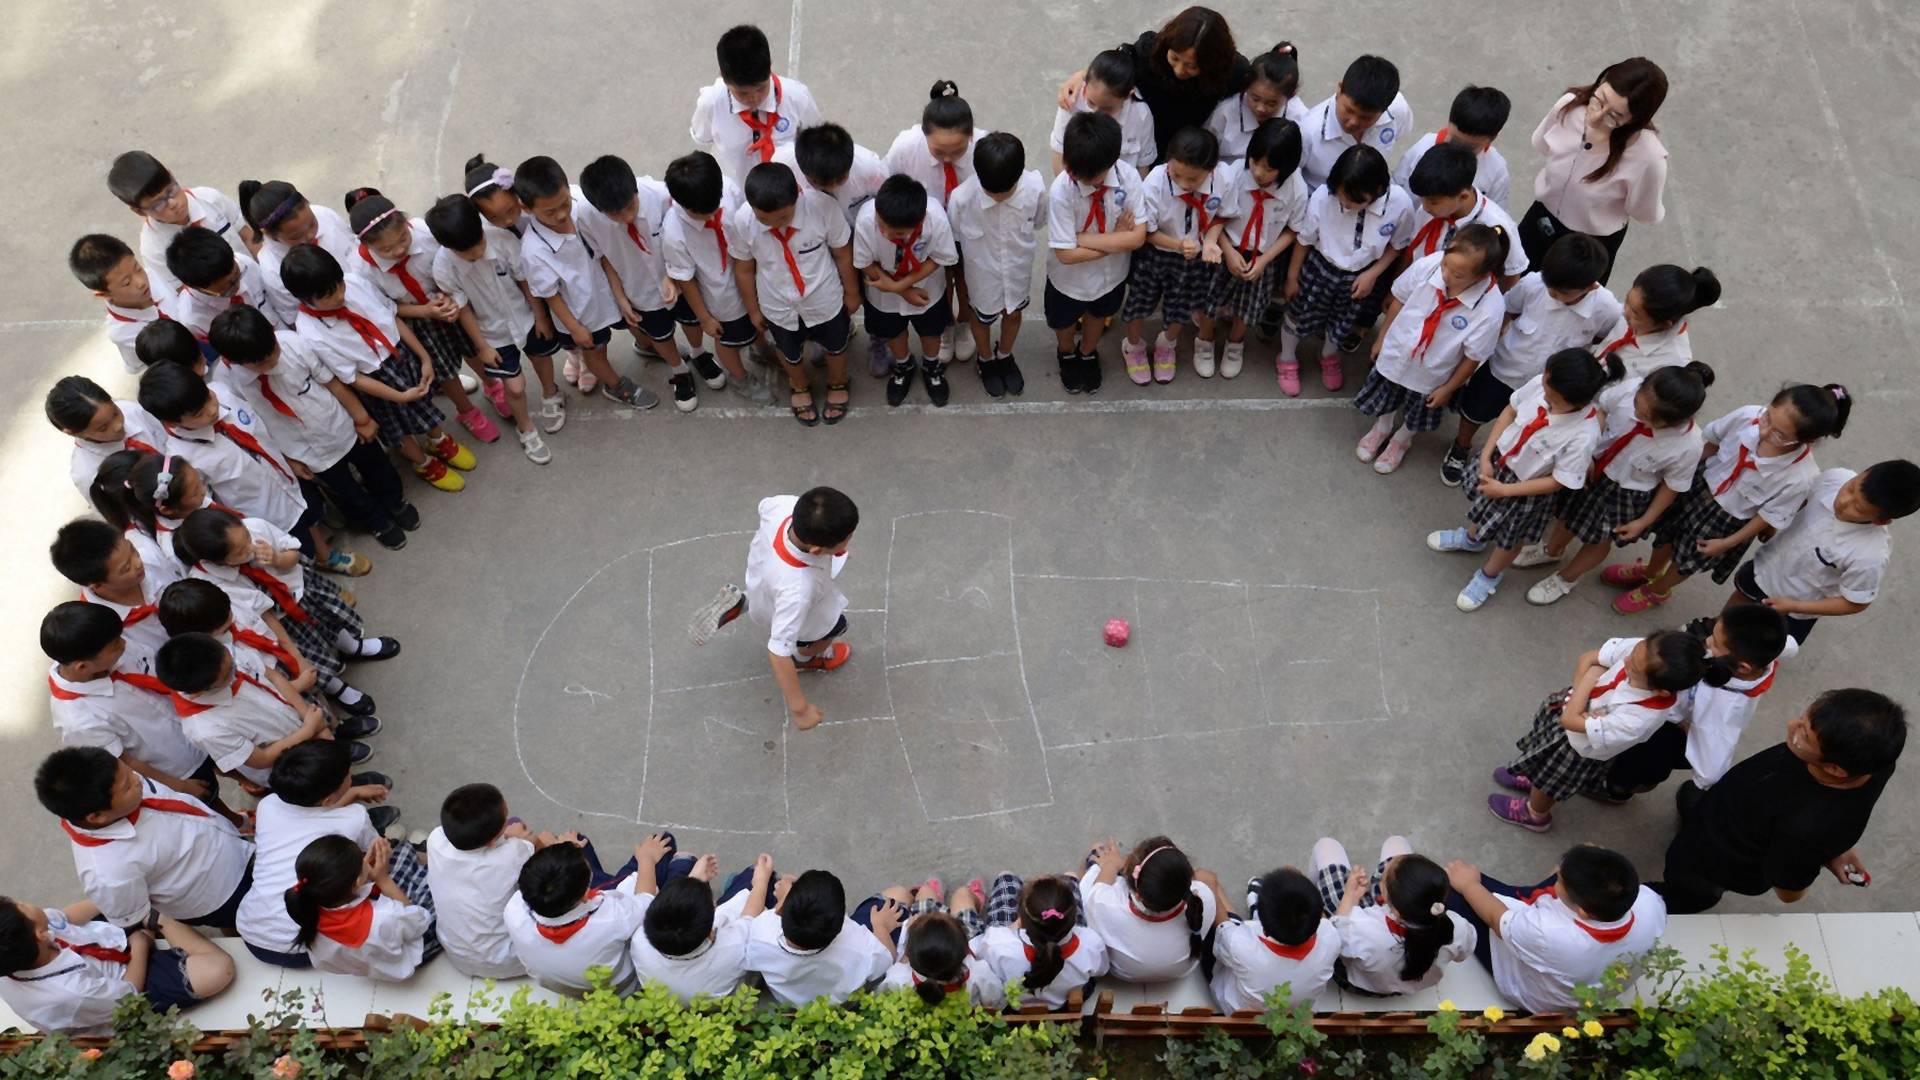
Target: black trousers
point(1539, 229)
point(1650, 763)
point(365, 486)
point(1686, 889)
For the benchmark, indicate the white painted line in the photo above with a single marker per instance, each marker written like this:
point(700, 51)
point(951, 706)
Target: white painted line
point(793, 41)
point(713, 685)
point(950, 660)
point(49, 324)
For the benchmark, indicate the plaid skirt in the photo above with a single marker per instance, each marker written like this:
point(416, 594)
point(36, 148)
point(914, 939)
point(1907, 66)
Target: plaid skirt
point(446, 343)
point(1550, 761)
point(1325, 305)
point(399, 419)
point(1697, 516)
point(1232, 298)
point(1593, 512)
point(1380, 395)
point(411, 875)
point(1167, 280)
point(328, 613)
point(1507, 523)
point(1003, 901)
point(968, 918)
point(1332, 883)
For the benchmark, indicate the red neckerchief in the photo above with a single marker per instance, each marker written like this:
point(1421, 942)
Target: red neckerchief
point(1613, 448)
point(270, 646)
point(139, 681)
point(273, 399)
point(348, 926)
point(949, 987)
point(719, 235)
point(159, 805)
point(1626, 339)
point(240, 437)
point(97, 952)
point(399, 270)
point(1429, 236)
point(277, 589)
point(1256, 220)
point(1067, 947)
point(633, 233)
point(1097, 209)
point(1442, 304)
point(1393, 925)
point(137, 613)
point(1198, 204)
point(158, 313)
point(185, 707)
point(1765, 684)
point(1149, 916)
point(1291, 952)
point(786, 554)
point(793, 265)
point(1747, 462)
point(132, 443)
point(904, 260)
point(559, 934)
point(951, 178)
point(1604, 935)
point(762, 141)
point(1533, 428)
point(1660, 700)
point(369, 333)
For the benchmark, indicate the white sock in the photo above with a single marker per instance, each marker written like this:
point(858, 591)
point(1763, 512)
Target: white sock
point(1163, 339)
point(334, 686)
point(1404, 436)
point(353, 646)
point(679, 365)
point(1384, 424)
point(1289, 346)
point(346, 694)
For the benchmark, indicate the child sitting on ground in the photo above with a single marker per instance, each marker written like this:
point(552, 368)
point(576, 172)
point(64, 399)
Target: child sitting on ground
point(1396, 935)
point(938, 957)
point(474, 858)
point(1284, 941)
point(65, 974)
point(807, 947)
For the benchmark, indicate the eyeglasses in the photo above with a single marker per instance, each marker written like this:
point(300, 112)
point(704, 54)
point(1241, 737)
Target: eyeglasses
point(167, 195)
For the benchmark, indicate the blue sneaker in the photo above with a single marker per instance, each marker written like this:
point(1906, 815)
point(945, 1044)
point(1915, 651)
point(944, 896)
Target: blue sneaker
point(1477, 592)
point(1455, 540)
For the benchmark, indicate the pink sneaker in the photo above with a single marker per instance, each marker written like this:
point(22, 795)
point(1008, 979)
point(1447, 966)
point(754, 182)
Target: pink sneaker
point(1289, 377)
point(1163, 360)
point(497, 395)
point(1134, 355)
point(1391, 456)
point(1511, 780)
point(1643, 598)
point(589, 382)
point(931, 888)
point(1513, 810)
point(1370, 444)
point(482, 428)
point(1330, 375)
point(1626, 575)
point(571, 369)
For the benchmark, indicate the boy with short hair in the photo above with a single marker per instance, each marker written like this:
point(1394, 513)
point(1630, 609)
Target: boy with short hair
point(1366, 107)
point(825, 158)
point(104, 563)
point(798, 550)
point(996, 214)
point(1096, 219)
point(749, 111)
point(474, 858)
point(807, 948)
point(793, 261)
point(699, 259)
point(165, 206)
point(212, 279)
point(140, 848)
point(560, 923)
point(240, 713)
point(687, 944)
point(1567, 931)
point(108, 268)
point(232, 450)
point(902, 245)
point(1446, 201)
point(198, 606)
point(100, 427)
point(1475, 119)
point(1830, 560)
point(65, 974)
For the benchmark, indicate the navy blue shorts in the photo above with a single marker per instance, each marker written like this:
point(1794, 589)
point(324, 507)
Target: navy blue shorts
point(839, 628)
point(863, 915)
point(988, 318)
point(1798, 626)
point(222, 917)
point(833, 336)
point(605, 334)
point(885, 325)
point(546, 346)
point(167, 983)
point(656, 324)
point(734, 333)
point(1483, 397)
point(1063, 310)
point(509, 365)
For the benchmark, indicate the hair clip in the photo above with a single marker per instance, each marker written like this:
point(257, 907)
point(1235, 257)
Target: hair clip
point(1839, 392)
point(1439, 908)
point(299, 883)
point(1053, 913)
point(389, 212)
point(160, 485)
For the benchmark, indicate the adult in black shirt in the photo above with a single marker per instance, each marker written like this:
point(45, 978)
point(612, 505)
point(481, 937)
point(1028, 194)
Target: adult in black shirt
point(1781, 815)
point(1183, 71)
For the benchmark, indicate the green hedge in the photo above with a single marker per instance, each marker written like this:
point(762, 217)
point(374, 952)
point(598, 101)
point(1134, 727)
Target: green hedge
point(1739, 1019)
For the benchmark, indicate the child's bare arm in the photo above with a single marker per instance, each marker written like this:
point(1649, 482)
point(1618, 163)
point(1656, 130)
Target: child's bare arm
point(762, 883)
point(363, 424)
point(139, 950)
point(849, 281)
point(787, 676)
point(1826, 605)
point(582, 337)
point(746, 274)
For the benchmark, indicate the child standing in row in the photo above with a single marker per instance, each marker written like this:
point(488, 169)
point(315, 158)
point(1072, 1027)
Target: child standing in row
point(807, 291)
point(749, 112)
point(1356, 225)
point(165, 206)
point(212, 279)
point(104, 563)
point(1185, 212)
point(1366, 109)
point(1651, 331)
point(1092, 231)
point(1474, 120)
point(285, 222)
point(939, 156)
point(903, 245)
point(995, 215)
point(1268, 202)
point(99, 426)
point(1108, 89)
point(825, 158)
point(1446, 201)
point(699, 260)
point(108, 269)
point(1271, 94)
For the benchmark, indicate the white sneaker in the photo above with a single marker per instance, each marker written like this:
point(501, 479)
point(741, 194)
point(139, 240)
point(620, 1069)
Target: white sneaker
point(469, 382)
point(1549, 589)
point(553, 413)
point(706, 621)
point(963, 349)
point(945, 355)
point(1535, 554)
point(1203, 358)
point(535, 450)
point(1232, 359)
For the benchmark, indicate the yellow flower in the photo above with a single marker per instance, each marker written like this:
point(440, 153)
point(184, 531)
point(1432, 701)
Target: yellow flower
point(1570, 1033)
point(1593, 1029)
point(1447, 1005)
point(1494, 1013)
point(1534, 1051)
point(1548, 1041)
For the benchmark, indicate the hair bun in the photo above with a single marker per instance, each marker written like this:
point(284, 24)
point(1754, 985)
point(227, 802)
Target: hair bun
point(944, 88)
point(1701, 370)
point(1838, 390)
point(474, 162)
point(1285, 48)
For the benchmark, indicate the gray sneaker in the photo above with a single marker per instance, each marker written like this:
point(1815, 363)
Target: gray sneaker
point(631, 394)
point(553, 413)
point(755, 388)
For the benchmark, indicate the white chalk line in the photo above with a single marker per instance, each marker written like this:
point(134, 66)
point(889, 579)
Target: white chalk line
point(713, 685)
point(950, 659)
point(646, 742)
point(793, 40)
point(1188, 581)
point(1215, 731)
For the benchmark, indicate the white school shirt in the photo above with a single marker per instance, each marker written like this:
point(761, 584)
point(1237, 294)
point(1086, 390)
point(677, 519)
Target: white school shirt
point(1283, 205)
point(1819, 556)
point(998, 239)
point(1562, 448)
point(320, 431)
point(256, 480)
point(909, 155)
point(1353, 240)
point(1070, 213)
point(334, 235)
point(230, 722)
point(863, 181)
point(173, 855)
point(1233, 124)
point(1373, 953)
point(983, 989)
point(196, 310)
point(1004, 948)
point(74, 993)
point(1620, 715)
point(143, 432)
point(1136, 130)
point(282, 831)
point(1642, 355)
point(139, 625)
point(120, 717)
point(1716, 717)
point(124, 326)
point(567, 265)
point(719, 129)
point(1543, 951)
point(694, 253)
point(251, 601)
point(1602, 207)
point(1542, 326)
point(157, 554)
point(207, 207)
point(1138, 950)
point(932, 242)
point(817, 228)
point(1651, 456)
point(490, 286)
point(339, 345)
point(634, 249)
point(418, 266)
point(1323, 140)
point(470, 891)
point(1172, 215)
point(395, 942)
point(853, 960)
point(1467, 330)
point(1427, 240)
point(600, 925)
point(789, 591)
point(1490, 175)
point(1775, 487)
point(715, 968)
point(1247, 965)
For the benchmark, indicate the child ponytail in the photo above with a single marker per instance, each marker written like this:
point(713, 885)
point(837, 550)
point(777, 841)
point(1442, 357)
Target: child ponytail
point(1578, 377)
point(1417, 892)
point(328, 874)
point(482, 179)
point(1161, 876)
point(123, 489)
point(937, 953)
point(370, 213)
point(946, 110)
point(1049, 907)
point(1822, 410)
point(266, 205)
point(1678, 392)
point(1669, 293)
point(1280, 66)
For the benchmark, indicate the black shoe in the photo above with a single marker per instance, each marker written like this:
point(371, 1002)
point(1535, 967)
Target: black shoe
point(709, 370)
point(389, 648)
point(363, 707)
point(358, 753)
point(408, 516)
point(939, 391)
point(383, 817)
point(1016, 383)
point(1453, 468)
point(685, 398)
point(990, 378)
point(1070, 372)
point(357, 727)
point(1351, 343)
point(1609, 794)
point(393, 537)
point(373, 779)
point(1090, 372)
point(899, 381)
point(1268, 326)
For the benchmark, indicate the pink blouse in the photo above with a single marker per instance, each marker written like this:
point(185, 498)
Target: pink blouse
point(1600, 207)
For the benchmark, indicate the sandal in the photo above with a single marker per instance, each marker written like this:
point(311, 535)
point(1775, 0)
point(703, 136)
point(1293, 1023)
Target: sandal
point(836, 411)
point(807, 414)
